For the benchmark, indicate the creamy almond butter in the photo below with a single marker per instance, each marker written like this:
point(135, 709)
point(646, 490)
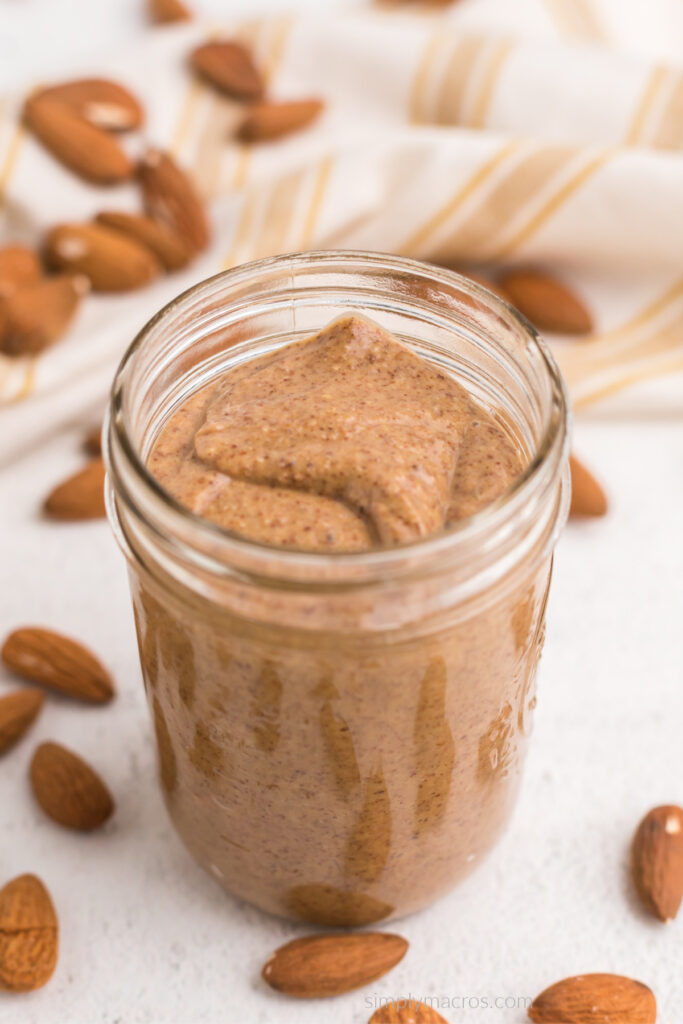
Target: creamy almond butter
point(338, 771)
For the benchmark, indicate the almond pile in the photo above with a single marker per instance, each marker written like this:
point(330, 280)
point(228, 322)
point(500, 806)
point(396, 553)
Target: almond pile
point(67, 789)
point(80, 123)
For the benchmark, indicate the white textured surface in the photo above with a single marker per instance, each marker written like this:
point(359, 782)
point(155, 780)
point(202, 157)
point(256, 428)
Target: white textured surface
point(147, 937)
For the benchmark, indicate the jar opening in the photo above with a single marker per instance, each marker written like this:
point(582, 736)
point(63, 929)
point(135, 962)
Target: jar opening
point(245, 312)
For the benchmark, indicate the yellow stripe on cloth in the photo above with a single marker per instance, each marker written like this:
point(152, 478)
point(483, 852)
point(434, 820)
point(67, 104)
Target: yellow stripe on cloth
point(474, 238)
point(421, 81)
point(417, 242)
point(10, 161)
point(277, 218)
point(655, 82)
point(576, 19)
point(452, 90)
point(669, 134)
point(501, 52)
point(321, 179)
point(553, 204)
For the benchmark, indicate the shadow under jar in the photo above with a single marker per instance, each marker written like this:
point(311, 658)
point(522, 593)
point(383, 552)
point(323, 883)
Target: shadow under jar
point(340, 736)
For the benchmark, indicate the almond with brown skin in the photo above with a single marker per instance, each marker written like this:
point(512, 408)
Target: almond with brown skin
point(80, 496)
point(68, 789)
point(229, 66)
point(657, 861)
point(18, 711)
point(327, 965)
point(37, 315)
point(166, 245)
point(546, 302)
point(266, 121)
point(111, 261)
point(19, 266)
point(595, 999)
point(406, 1011)
point(92, 442)
point(100, 101)
point(58, 662)
point(588, 498)
point(88, 151)
point(29, 937)
point(164, 12)
point(171, 199)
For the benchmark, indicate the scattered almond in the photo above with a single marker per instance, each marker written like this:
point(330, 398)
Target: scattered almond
point(657, 861)
point(406, 1011)
point(327, 965)
point(92, 442)
point(37, 315)
point(163, 12)
point(112, 261)
point(595, 999)
point(103, 103)
point(58, 662)
point(170, 198)
point(18, 711)
point(69, 790)
point(166, 245)
point(19, 266)
point(80, 496)
point(546, 302)
point(88, 151)
point(266, 121)
point(228, 65)
point(28, 935)
point(588, 497)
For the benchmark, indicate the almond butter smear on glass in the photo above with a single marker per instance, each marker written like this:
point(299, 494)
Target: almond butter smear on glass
point(339, 540)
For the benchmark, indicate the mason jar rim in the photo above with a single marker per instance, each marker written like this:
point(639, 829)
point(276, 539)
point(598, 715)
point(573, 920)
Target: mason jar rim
point(220, 550)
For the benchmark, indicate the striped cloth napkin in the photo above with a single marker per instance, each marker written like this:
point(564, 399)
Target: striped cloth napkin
point(539, 132)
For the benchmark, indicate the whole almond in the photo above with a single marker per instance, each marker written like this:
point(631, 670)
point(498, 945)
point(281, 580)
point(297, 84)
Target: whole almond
point(170, 198)
point(229, 66)
point(18, 711)
point(166, 245)
point(327, 965)
point(28, 935)
point(112, 261)
point(88, 151)
point(100, 101)
point(595, 999)
point(80, 496)
point(657, 861)
point(19, 266)
point(68, 789)
point(546, 302)
point(406, 1011)
point(58, 662)
point(266, 121)
point(92, 442)
point(163, 12)
point(588, 498)
point(37, 315)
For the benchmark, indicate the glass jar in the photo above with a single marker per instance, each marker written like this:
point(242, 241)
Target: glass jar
point(340, 736)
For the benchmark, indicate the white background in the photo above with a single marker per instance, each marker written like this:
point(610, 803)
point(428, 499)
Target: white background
point(147, 937)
